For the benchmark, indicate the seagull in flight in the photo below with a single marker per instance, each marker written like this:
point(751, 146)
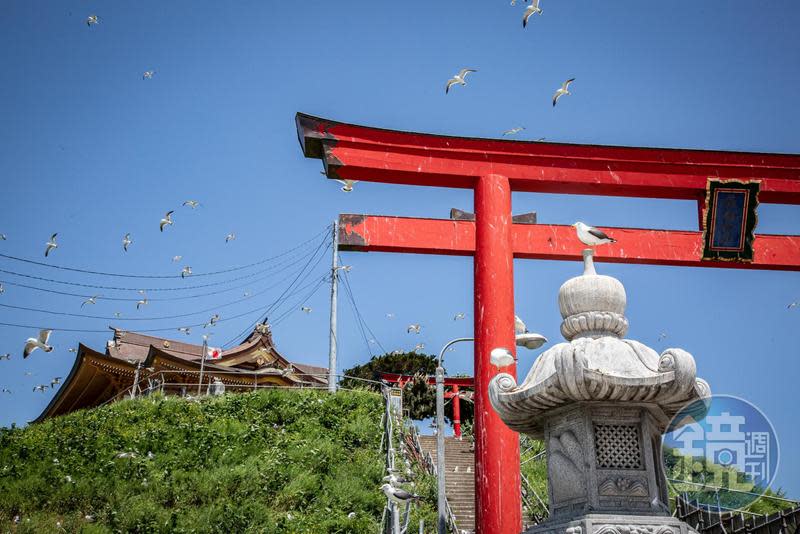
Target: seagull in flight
point(532, 9)
point(186, 271)
point(305, 309)
point(177, 258)
point(40, 387)
point(662, 336)
point(390, 315)
point(793, 305)
point(2, 289)
point(185, 330)
point(55, 381)
point(33, 343)
point(51, 245)
point(230, 237)
point(514, 131)
point(2, 237)
point(6, 356)
point(143, 301)
point(347, 185)
point(501, 357)
point(148, 74)
point(459, 316)
point(414, 327)
point(126, 241)
point(459, 78)
point(563, 90)
point(72, 349)
point(167, 220)
point(5, 390)
point(92, 19)
point(191, 203)
point(212, 321)
point(418, 347)
point(90, 300)
point(591, 236)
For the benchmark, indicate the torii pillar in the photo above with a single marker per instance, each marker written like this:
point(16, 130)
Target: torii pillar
point(493, 168)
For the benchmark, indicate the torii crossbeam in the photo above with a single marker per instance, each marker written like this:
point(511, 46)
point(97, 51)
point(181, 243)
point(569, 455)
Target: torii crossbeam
point(495, 168)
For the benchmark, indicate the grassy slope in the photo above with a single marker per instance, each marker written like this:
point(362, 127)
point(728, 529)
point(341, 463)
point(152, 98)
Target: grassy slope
point(270, 461)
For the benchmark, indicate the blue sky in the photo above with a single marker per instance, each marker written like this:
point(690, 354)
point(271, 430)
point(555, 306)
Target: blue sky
point(90, 150)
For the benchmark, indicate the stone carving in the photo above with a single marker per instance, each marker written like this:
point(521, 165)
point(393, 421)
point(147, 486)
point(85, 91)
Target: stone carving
point(574, 530)
point(612, 486)
point(567, 459)
point(617, 447)
point(634, 529)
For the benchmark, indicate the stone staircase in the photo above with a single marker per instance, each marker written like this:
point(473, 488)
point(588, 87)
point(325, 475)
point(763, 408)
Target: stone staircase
point(459, 478)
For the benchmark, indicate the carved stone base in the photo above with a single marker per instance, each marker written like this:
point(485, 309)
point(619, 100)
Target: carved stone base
point(614, 524)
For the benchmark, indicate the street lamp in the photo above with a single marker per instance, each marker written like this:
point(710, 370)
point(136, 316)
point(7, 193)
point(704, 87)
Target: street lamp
point(528, 340)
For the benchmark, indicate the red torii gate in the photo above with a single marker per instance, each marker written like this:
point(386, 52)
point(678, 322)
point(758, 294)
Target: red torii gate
point(453, 382)
point(493, 168)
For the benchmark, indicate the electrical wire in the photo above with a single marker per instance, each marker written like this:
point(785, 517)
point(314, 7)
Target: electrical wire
point(358, 319)
point(154, 276)
point(349, 291)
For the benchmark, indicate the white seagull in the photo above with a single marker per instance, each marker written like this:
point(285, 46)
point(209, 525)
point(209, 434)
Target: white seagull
point(186, 271)
point(167, 220)
point(532, 9)
point(143, 301)
point(148, 74)
point(2, 237)
point(230, 237)
point(126, 241)
point(90, 300)
point(191, 203)
point(305, 309)
point(563, 90)
point(793, 305)
point(459, 78)
point(6, 356)
point(398, 495)
point(40, 342)
point(177, 258)
point(418, 347)
point(414, 327)
point(185, 329)
point(390, 315)
point(2, 289)
point(459, 316)
point(51, 245)
point(54, 381)
point(501, 357)
point(40, 387)
point(513, 131)
point(347, 185)
point(212, 321)
point(519, 326)
point(591, 236)
point(92, 19)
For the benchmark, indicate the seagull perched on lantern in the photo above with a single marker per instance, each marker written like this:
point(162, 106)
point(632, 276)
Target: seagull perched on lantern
point(591, 236)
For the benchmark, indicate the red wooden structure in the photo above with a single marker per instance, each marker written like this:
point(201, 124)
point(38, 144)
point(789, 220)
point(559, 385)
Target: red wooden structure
point(494, 168)
point(452, 382)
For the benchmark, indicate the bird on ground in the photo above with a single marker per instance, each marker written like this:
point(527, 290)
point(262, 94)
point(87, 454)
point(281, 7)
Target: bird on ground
point(591, 236)
point(501, 357)
point(148, 74)
point(563, 90)
point(6, 356)
point(143, 301)
point(519, 326)
point(126, 241)
point(40, 342)
point(51, 245)
point(68, 479)
point(191, 203)
point(531, 10)
point(212, 321)
point(56, 380)
point(398, 495)
point(186, 271)
point(91, 20)
point(459, 78)
point(414, 327)
point(459, 316)
point(230, 237)
point(351, 515)
point(418, 347)
point(40, 387)
point(185, 330)
point(305, 309)
point(176, 258)
point(90, 300)
point(793, 305)
point(89, 518)
point(167, 220)
point(347, 185)
point(127, 454)
point(514, 131)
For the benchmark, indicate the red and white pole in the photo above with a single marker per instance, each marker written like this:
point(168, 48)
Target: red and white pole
point(498, 506)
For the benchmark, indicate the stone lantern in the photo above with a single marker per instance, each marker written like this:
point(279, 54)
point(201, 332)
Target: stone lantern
point(601, 403)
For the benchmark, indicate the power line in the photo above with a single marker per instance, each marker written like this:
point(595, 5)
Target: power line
point(153, 276)
point(349, 291)
point(134, 299)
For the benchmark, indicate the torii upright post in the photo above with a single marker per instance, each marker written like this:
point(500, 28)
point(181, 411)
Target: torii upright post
point(493, 168)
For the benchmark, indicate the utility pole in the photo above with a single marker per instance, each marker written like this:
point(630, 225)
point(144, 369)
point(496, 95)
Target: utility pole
point(334, 291)
point(202, 364)
point(135, 380)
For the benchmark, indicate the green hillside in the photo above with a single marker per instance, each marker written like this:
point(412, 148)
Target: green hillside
point(268, 461)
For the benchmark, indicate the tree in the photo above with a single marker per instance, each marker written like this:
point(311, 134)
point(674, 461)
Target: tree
point(419, 398)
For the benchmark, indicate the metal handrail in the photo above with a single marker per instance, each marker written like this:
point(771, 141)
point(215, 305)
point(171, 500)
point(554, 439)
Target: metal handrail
point(718, 488)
